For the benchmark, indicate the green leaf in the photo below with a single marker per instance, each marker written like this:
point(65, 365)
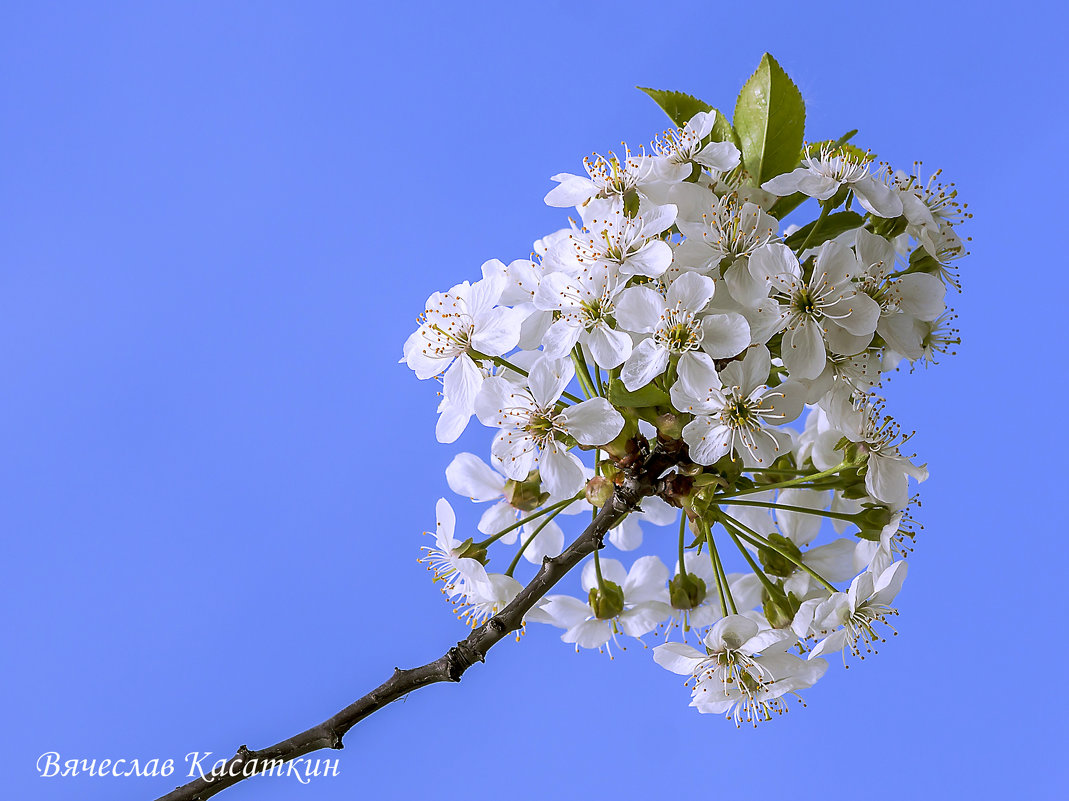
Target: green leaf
point(785, 205)
point(770, 122)
point(830, 227)
point(839, 147)
point(649, 395)
point(681, 107)
point(921, 261)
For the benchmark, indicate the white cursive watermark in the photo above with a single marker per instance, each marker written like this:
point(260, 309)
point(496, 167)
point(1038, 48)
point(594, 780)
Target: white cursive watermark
point(51, 765)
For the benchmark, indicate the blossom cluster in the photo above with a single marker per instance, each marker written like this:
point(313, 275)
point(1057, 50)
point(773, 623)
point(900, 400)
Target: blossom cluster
point(677, 310)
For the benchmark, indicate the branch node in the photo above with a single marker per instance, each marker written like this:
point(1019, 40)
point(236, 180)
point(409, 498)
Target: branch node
point(497, 624)
point(453, 662)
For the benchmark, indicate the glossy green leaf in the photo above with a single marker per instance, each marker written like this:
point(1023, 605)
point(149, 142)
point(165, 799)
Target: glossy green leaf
point(839, 147)
point(770, 122)
point(785, 205)
point(830, 227)
point(681, 107)
point(649, 395)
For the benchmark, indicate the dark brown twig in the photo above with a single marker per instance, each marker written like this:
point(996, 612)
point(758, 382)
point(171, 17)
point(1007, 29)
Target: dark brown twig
point(640, 481)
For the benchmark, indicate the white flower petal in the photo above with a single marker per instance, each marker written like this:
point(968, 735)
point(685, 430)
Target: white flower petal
point(592, 422)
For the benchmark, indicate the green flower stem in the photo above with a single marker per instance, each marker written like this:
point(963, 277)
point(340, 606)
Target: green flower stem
point(756, 568)
point(671, 372)
point(721, 574)
point(597, 472)
point(597, 569)
point(510, 366)
point(784, 484)
point(803, 509)
point(526, 542)
point(754, 538)
point(824, 209)
point(582, 373)
point(682, 534)
point(707, 531)
point(528, 519)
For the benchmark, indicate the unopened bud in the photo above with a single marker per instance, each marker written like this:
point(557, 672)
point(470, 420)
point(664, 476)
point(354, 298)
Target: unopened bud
point(607, 600)
point(598, 491)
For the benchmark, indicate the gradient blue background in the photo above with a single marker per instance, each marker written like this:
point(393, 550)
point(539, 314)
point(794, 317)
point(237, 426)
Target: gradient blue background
point(217, 224)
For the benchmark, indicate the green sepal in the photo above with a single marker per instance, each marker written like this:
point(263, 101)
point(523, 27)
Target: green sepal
point(470, 550)
point(606, 600)
point(779, 608)
point(872, 520)
point(621, 446)
point(686, 591)
point(774, 562)
point(525, 495)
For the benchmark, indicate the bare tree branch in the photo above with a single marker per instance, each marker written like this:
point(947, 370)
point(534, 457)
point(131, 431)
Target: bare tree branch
point(639, 482)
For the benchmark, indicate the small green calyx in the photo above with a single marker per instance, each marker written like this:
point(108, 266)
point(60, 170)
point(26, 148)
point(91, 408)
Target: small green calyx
point(686, 591)
point(779, 607)
point(607, 600)
point(855, 452)
point(526, 495)
point(774, 561)
point(872, 520)
point(470, 550)
point(624, 445)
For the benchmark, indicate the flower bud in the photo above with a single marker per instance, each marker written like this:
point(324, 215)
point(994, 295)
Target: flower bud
point(686, 591)
point(598, 491)
point(607, 600)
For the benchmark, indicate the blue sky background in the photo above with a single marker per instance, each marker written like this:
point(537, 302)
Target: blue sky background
point(218, 222)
